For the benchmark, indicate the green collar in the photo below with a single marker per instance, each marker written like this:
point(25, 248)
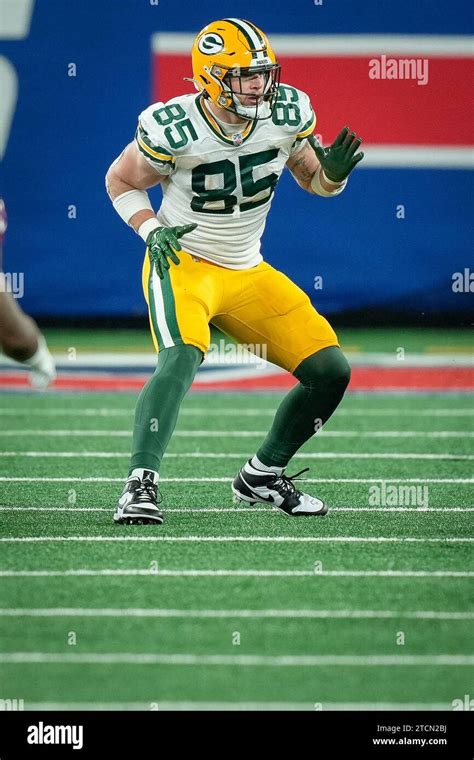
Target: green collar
point(214, 125)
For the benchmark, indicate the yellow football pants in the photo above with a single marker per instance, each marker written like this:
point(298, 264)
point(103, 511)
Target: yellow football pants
point(259, 306)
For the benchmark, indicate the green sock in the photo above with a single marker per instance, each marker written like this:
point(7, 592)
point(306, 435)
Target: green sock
point(158, 404)
point(323, 378)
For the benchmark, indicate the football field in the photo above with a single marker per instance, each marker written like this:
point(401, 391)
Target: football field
point(233, 606)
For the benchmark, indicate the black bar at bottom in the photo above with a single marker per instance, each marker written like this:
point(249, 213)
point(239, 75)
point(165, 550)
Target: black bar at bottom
point(134, 734)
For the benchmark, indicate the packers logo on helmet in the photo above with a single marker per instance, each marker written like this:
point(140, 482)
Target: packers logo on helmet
point(210, 44)
point(227, 51)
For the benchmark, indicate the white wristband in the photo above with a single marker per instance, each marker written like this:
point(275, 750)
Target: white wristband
point(330, 181)
point(317, 187)
point(129, 203)
point(148, 226)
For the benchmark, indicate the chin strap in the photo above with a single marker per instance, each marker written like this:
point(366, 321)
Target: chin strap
point(247, 112)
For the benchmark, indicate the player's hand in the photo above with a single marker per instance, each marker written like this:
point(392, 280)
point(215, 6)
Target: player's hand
point(341, 157)
point(163, 244)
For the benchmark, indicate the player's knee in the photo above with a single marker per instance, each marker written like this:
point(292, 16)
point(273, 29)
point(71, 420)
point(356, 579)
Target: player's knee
point(341, 370)
point(180, 364)
point(329, 366)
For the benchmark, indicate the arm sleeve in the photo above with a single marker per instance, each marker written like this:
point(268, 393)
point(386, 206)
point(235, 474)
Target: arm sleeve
point(150, 141)
point(307, 123)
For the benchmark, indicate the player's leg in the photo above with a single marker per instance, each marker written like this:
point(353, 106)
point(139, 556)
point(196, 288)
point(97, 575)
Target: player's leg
point(21, 340)
point(156, 413)
point(180, 329)
point(158, 405)
point(18, 332)
point(280, 316)
point(323, 378)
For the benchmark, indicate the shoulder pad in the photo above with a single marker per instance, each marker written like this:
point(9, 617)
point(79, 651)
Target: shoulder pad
point(294, 111)
point(151, 140)
point(163, 129)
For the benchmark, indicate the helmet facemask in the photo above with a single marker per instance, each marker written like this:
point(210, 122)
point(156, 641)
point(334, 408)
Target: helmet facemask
point(228, 99)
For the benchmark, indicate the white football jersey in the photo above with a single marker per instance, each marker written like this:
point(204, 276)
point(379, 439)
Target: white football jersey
point(224, 183)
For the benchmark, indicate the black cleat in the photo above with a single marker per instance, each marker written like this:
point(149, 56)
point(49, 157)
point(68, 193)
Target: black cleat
point(138, 504)
point(276, 490)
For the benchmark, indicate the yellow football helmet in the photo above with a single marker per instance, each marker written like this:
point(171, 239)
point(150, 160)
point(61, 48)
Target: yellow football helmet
point(234, 47)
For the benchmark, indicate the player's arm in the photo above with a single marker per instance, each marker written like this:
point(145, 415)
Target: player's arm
point(304, 166)
point(132, 172)
point(324, 171)
point(127, 180)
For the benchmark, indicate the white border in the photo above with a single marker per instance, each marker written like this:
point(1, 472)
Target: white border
point(340, 44)
point(418, 157)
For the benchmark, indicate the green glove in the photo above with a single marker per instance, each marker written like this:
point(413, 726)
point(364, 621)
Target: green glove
point(339, 159)
point(163, 243)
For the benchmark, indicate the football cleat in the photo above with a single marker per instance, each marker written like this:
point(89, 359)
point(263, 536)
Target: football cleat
point(138, 504)
point(278, 491)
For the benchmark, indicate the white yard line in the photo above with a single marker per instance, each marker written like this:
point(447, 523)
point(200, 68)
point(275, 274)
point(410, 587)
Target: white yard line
point(243, 455)
point(240, 539)
point(81, 572)
point(258, 614)
point(247, 412)
point(235, 706)
point(59, 433)
point(144, 658)
point(397, 412)
point(262, 509)
point(74, 479)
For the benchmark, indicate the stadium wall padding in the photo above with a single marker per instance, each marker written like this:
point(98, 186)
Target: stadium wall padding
point(66, 131)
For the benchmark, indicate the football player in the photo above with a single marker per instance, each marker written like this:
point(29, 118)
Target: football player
point(20, 337)
point(218, 156)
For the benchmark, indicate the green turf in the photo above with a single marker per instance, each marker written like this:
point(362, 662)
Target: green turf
point(78, 508)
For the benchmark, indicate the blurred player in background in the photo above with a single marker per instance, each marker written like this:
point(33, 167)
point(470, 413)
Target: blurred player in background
point(20, 337)
point(218, 156)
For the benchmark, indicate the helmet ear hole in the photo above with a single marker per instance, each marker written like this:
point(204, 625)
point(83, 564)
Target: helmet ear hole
point(203, 79)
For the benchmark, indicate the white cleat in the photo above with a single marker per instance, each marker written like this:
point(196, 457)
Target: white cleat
point(138, 504)
point(277, 491)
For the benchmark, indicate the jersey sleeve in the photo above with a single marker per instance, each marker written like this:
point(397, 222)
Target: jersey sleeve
point(307, 123)
point(150, 141)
